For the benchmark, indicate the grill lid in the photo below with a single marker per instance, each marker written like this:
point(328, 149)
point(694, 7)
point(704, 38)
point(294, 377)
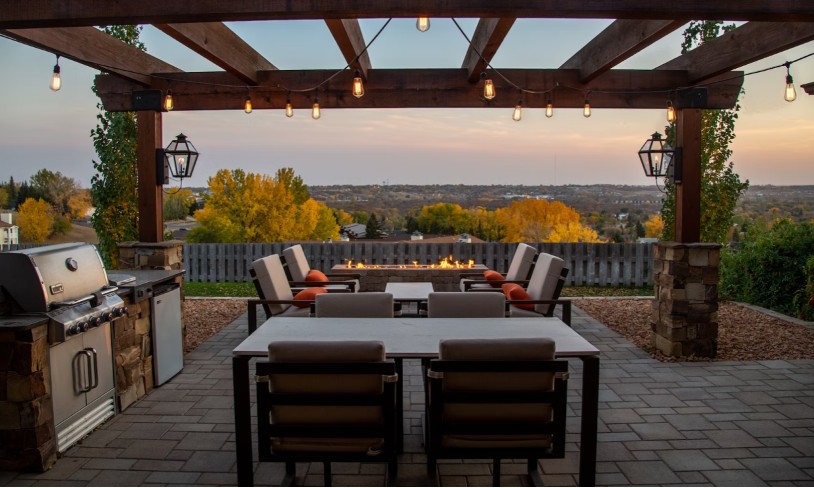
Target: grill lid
point(40, 278)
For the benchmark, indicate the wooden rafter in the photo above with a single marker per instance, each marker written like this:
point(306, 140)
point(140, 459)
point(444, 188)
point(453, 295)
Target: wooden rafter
point(48, 13)
point(94, 48)
point(809, 88)
point(619, 41)
point(351, 42)
point(749, 42)
point(486, 40)
point(219, 44)
point(420, 88)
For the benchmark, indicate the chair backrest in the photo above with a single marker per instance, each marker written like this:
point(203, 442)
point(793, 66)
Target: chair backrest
point(367, 304)
point(271, 282)
point(521, 263)
point(296, 262)
point(545, 280)
point(464, 304)
point(312, 392)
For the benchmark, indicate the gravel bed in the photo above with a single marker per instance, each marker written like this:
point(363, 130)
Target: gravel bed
point(205, 318)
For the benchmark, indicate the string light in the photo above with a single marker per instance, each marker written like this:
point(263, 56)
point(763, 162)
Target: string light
point(315, 112)
point(586, 110)
point(791, 93)
point(169, 104)
point(56, 79)
point(518, 111)
point(247, 105)
point(358, 87)
point(289, 109)
point(549, 108)
point(488, 87)
point(671, 112)
point(422, 24)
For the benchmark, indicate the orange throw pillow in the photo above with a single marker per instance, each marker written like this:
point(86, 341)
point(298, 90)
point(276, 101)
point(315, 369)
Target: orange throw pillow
point(308, 294)
point(513, 291)
point(315, 275)
point(494, 276)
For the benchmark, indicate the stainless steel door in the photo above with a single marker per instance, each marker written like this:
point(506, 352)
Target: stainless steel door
point(67, 363)
point(99, 346)
point(168, 340)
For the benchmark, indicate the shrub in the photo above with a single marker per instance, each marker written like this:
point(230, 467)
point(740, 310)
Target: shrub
point(768, 267)
point(804, 298)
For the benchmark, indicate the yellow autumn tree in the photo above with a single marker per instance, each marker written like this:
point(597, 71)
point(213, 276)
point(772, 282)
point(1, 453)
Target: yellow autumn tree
point(35, 218)
point(542, 221)
point(79, 203)
point(654, 227)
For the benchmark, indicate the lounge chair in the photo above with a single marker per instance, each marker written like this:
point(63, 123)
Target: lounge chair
point(520, 269)
point(298, 270)
point(542, 294)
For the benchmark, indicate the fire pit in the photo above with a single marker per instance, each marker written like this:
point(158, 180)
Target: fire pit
point(444, 276)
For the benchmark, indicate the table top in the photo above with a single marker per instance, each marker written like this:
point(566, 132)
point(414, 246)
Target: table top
point(411, 291)
point(414, 337)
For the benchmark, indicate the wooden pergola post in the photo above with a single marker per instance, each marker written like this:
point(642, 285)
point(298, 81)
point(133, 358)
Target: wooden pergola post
point(150, 195)
point(688, 191)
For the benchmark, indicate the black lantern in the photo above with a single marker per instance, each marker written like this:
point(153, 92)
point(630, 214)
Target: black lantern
point(181, 157)
point(657, 156)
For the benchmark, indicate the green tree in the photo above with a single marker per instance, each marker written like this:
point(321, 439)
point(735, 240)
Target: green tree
point(444, 218)
point(294, 184)
point(56, 188)
point(177, 202)
point(114, 185)
point(373, 229)
point(720, 185)
point(11, 187)
point(4, 199)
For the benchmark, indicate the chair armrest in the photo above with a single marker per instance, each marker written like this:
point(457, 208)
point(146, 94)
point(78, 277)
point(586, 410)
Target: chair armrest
point(566, 307)
point(349, 283)
point(252, 305)
point(468, 284)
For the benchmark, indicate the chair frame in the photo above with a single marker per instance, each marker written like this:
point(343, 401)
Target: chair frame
point(436, 427)
point(346, 279)
point(470, 279)
point(554, 301)
point(266, 430)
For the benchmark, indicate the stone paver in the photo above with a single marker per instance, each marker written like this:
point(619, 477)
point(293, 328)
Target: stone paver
point(717, 423)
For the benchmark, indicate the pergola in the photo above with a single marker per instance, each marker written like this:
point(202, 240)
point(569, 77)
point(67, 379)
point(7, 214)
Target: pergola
point(701, 79)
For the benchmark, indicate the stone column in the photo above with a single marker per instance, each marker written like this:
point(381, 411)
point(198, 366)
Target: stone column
point(151, 255)
point(685, 311)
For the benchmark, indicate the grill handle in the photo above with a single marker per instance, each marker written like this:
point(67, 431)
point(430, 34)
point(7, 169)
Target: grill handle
point(93, 357)
point(80, 379)
point(105, 291)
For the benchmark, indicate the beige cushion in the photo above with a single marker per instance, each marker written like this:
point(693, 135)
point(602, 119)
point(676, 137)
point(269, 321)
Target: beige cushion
point(462, 304)
point(544, 280)
point(322, 352)
point(368, 304)
point(521, 263)
point(271, 276)
point(297, 262)
point(493, 384)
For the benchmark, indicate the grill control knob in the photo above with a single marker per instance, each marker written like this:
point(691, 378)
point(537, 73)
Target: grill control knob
point(94, 322)
point(108, 316)
point(72, 330)
point(120, 311)
point(82, 327)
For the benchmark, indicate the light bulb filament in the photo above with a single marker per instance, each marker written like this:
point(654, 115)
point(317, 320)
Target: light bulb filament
point(489, 89)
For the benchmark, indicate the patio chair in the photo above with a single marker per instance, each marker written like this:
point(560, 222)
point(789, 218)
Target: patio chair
point(366, 304)
point(326, 401)
point(496, 399)
point(466, 305)
point(543, 291)
point(520, 269)
point(275, 292)
point(298, 270)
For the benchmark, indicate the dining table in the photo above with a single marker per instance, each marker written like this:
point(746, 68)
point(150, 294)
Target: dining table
point(414, 338)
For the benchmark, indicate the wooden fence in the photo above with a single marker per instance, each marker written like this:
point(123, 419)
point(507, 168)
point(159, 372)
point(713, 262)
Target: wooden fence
point(589, 264)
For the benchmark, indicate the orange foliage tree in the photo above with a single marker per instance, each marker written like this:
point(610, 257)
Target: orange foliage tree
point(542, 221)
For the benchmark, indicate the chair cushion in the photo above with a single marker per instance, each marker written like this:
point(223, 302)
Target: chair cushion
point(522, 261)
point(316, 275)
point(297, 262)
point(544, 280)
point(513, 291)
point(308, 294)
point(491, 275)
point(271, 278)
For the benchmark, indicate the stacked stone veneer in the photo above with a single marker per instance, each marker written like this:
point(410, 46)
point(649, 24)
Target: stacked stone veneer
point(442, 279)
point(685, 311)
point(27, 436)
point(151, 255)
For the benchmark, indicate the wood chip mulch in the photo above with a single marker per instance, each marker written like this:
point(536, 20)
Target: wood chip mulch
point(744, 334)
point(205, 318)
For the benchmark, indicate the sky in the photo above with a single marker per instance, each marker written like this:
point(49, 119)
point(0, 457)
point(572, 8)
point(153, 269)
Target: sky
point(44, 129)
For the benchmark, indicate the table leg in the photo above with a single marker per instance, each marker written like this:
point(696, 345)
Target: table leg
point(590, 410)
point(400, 406)
point(243, 421)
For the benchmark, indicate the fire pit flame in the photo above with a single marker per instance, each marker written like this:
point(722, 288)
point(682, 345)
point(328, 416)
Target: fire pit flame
point(445, 263)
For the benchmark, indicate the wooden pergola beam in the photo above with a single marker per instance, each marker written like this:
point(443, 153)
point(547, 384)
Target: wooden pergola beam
point(750, 42)
point(94, 48)
point(619, 41)
point(486, 40)
point(16, 14)
point(220, 45)
point(808, 87)
point(420, 88)
point(348, 36)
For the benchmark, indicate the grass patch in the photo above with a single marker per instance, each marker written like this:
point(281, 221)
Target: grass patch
point(196, 289)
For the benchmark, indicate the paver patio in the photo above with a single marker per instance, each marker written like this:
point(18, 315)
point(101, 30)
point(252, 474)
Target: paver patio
point(719, 423)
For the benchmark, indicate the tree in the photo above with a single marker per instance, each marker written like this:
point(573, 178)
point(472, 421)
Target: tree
point(373, 229)
point(27, 191)
point(294, 184)
point(114, 187)
point(654, 227)
point(11, 187)
point(721, 187)
point(542, 221)
point(35, 220)
point(80, 203)
point(56, 188)
point(177, 202)
point(4, 199)
point(444, 218)
point(639, 229)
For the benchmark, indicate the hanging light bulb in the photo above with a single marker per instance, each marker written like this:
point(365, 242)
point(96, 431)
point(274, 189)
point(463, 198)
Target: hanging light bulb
point(586, 110)
point(549, 108)
point(671, 112)
point(488, 87)
point(56, 80)
point(790, 95)
point(422, 24)
point(289, 109)
point(247, 105)
point(518, 111)
point(315, 113)
point(169, 104)
point(358, 87)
